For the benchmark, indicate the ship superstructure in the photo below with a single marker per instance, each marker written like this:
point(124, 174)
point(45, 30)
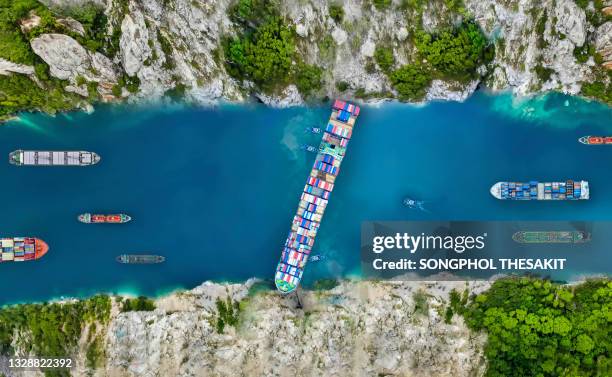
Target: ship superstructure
point(314, 198)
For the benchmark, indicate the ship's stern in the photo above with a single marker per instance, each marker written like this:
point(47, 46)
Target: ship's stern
point(16, 157)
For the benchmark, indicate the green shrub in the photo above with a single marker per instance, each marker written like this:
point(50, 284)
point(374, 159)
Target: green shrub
point(308, 78)
point(140, 304)
point(543, 73)
point(384, 58)
point(411, 82)
point(325, 284)
point(342, 86)
point(228, 313)
point(381, 4)
point(336, 12)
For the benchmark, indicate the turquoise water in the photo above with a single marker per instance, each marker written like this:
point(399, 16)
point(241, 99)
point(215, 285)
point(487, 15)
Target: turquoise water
point(214, 190)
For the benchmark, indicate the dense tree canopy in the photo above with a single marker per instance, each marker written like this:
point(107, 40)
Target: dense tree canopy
point(411, 82)
point(456, 52)
point(541, 329)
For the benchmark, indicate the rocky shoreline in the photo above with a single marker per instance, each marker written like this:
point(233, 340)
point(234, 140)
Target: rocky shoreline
point(176, 45)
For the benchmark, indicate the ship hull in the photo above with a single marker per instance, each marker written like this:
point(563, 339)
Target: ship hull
point(89, 218)
point(53, 158)
point(22, 249)
point(534, 190)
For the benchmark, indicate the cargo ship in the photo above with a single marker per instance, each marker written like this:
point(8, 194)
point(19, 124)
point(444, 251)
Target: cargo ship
point(53, 158)
point(119, 218)
point(534, 190)
point(140, 259)
point(551, 237)
point(21, 249)
point(314, 197)
point(596, 140)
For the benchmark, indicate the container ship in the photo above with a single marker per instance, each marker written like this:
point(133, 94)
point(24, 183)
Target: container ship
point(119, 218)
point(53, 158)
point(314, 198)
point(596, 140)
point(551, 237)
point(140, 259)
point(21, 249)
point(534, 190)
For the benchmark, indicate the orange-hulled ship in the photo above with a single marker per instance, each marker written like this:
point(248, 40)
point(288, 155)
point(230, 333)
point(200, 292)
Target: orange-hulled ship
point(89, 218)
point(21, 249)
point(596, 140)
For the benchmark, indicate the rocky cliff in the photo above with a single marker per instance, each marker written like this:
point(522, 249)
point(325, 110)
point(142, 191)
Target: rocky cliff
point(177, 44)
point(354, 329)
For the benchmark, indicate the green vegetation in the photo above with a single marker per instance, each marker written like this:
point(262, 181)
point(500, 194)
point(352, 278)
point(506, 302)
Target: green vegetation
point(15, 46)
point(265, 57)
point(50, 329)
point(229, 313)
point(265, 52)
point(95, 353)
point(539, 328)
point(543, 73)
point(308, 78)
point(455, 53)
point(342, 86)
point(19, 93)
point(336, 12)
point(139, 304)
point(381, 4)
point(325, 284)
point(167, 49)
point(384, 58)
point(421, 303)
point(411, 82)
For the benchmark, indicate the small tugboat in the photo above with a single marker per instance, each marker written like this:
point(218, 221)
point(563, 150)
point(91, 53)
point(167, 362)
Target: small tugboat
point(317, 258)
point(314, 130)
point(140, 259)
point(414, 204)
point(596, 140)
point(551, 237)
point(119, 218)
point(309, 148)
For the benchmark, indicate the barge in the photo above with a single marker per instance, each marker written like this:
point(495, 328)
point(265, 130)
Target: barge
point(315, 196)
point(53, 158)
point(534, 190)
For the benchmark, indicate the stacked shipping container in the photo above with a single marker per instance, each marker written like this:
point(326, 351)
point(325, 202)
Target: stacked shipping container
point(315, 196)
point(20, 249)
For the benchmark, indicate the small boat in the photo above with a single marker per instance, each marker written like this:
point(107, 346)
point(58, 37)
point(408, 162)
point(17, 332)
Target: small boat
point(316, 258)
point(414, 204)
point(89, 218)
point(551, 237)
point(314, 130)
point(309, 148)
point(596, 140)
point(140, 259)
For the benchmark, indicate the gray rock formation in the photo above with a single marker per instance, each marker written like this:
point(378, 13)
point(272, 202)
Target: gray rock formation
point(68, 60)
point(356, 329)
point(7, 68)
point(603, 41)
